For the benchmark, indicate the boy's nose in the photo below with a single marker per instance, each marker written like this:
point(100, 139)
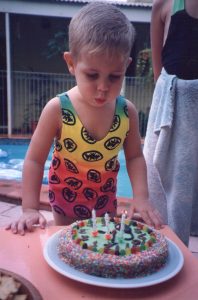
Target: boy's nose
point(103, 86)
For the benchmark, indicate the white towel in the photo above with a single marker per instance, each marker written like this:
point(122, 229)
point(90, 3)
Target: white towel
point(171, 153)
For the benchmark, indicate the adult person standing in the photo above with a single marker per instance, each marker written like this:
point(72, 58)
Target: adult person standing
point(171, 143)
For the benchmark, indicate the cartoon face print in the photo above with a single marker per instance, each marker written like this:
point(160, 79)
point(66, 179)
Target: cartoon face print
point(55, 163)
point(101, 202)
point(94, 176)
point(70, 166)
point(58, 210)
point(54, 179)
point(58, 146)
point(69, 195)
point(112, 164)
point(68, 117)
point(73, 182)
point(82, 212)
point(90, 194)
point(92, 156)
point(86, 137)
point(51, 196)
point(116, 123)
point(70, 145)
point(108, 186)
point(112, 143)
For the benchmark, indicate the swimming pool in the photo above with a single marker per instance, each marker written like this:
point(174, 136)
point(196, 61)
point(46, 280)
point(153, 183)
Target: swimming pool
point(12, 154)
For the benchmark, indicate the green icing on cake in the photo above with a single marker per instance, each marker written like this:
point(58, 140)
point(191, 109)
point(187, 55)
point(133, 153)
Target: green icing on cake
point(136, 237)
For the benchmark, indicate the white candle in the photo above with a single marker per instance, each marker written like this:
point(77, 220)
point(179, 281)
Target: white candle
point(94, 219)
point(107, 222)
point(122, 224)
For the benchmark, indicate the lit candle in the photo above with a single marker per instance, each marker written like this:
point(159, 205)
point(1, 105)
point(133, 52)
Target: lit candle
point(122, 224)
point(107, 222)
point(94, 220)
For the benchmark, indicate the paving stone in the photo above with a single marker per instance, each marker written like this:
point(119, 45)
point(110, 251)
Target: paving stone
point(193, 244)
point(13, 212)
point(4, 220)
point(195, 254)
point(10, 212)
point(5, 206)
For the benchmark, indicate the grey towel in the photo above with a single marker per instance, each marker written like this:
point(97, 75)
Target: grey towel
point(171, 153)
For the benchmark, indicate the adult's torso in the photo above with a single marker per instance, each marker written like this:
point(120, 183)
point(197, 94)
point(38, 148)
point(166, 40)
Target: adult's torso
point(180, 51)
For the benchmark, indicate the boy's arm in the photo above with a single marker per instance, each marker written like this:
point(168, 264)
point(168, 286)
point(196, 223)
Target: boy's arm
point(37, 153)
point(47, 128)
point(136, 168)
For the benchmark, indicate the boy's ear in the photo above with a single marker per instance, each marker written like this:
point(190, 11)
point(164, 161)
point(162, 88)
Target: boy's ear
point(69, 61)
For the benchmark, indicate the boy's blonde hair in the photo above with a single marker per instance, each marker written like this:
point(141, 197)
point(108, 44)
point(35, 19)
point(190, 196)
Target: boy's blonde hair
point(100, 27)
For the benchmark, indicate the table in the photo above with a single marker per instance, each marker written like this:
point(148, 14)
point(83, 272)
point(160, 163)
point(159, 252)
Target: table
point(24, 256)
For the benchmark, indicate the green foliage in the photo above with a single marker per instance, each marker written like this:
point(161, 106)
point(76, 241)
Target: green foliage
point(39, 95)
point(57, 44)
point(144, 64)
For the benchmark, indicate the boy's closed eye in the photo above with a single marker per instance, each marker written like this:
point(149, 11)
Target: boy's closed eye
point(111, 77)
point(92, 76)
point(114, 77)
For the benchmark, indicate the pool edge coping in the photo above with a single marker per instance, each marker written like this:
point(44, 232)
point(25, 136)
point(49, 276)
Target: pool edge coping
point(11, 192)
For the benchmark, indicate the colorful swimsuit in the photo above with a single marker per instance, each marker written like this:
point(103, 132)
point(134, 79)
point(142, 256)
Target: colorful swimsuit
point(83, 172)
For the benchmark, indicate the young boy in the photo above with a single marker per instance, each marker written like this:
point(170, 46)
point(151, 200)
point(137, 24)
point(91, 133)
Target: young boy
point(90, 124)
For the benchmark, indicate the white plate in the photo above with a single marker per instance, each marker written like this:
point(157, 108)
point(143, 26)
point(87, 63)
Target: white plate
point(172, 267)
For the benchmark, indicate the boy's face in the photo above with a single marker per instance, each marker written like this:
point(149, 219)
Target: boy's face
point(99, 77)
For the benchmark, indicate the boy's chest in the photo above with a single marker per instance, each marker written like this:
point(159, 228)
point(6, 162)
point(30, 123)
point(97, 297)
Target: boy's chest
point(97, 121)
point(98, 125)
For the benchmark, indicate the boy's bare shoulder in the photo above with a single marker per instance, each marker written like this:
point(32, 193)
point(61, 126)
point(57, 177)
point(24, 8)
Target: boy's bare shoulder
point(130, 104)
point(52, 110)
point(54, 102)
point(131, 108)
point(52, 106)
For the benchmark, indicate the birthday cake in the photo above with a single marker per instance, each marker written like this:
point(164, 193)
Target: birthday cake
point(132, 251)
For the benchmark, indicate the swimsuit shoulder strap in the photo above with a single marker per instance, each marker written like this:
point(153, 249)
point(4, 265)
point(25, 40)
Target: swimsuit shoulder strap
point(64, 100)
point(178, 5)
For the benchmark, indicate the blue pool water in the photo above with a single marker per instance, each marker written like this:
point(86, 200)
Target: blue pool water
point(12, 154)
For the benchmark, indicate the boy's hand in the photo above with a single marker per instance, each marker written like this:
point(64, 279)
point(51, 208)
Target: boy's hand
point(29, 218)
point(150, 215)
